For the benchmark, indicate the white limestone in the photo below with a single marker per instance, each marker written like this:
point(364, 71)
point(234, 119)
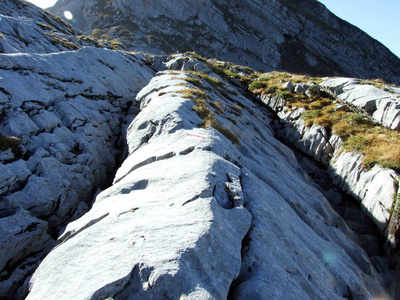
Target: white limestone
point(67, 110)
point(174, 222)
point(374, 188)
point(382, 105)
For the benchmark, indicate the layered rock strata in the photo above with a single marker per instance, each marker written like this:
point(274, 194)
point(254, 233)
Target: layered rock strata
point(383, 106)
point(296, 36)
point(195, 214)
point(26, 29)
point(374, 188)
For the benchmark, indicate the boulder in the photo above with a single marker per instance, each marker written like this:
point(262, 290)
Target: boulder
point(300, 88)
point(288, 86)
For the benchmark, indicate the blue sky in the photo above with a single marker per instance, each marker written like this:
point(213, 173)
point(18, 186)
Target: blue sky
point(379, 18)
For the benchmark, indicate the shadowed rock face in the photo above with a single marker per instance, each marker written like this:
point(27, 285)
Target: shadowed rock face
point(296, 36)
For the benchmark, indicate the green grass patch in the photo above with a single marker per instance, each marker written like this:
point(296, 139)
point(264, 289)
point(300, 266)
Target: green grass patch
point(271, 89)
point(257, 85)
point(288, 96)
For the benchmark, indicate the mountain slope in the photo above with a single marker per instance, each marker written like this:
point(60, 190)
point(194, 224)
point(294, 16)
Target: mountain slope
point(62, 110)
point(207, 204)
point(191, 209)
point(296, 36)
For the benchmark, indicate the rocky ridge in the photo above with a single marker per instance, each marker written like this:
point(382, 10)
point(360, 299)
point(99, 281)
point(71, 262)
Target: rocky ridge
point(203, 202)
point(238, 193)
point(295, 36)
point(374, 188)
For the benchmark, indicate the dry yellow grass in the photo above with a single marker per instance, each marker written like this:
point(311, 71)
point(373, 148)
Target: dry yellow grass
point(202, 108)
point(379, 145)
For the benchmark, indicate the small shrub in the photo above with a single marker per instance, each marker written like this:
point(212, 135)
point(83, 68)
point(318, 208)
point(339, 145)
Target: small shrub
point(313, 91)
point(310, 115)
point(256, 85)
point(271, 89)
point(358, 119)
point(285, 95)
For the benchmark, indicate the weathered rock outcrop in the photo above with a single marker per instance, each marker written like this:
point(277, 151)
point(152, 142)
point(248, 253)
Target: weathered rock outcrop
point(296, 36)
point(208, 204)
point(64, 113)
point(26, 29)
point(383, 106)
point(190, 211)
point(373, 188)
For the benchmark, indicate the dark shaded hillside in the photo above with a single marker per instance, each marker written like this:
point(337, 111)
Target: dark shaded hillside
point(295, 36)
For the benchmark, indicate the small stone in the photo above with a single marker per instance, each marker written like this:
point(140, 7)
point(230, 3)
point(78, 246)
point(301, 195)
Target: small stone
point(288, 86)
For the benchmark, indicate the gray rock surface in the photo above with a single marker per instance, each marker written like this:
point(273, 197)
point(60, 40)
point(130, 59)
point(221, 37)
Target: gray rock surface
point(296, 36)
point(65, 110)
point(373, 188)
point(193, 212)
point(288, 86)
point(189, 211)
point(383, 106)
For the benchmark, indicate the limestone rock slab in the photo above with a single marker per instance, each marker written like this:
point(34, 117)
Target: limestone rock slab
point(191, 215)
